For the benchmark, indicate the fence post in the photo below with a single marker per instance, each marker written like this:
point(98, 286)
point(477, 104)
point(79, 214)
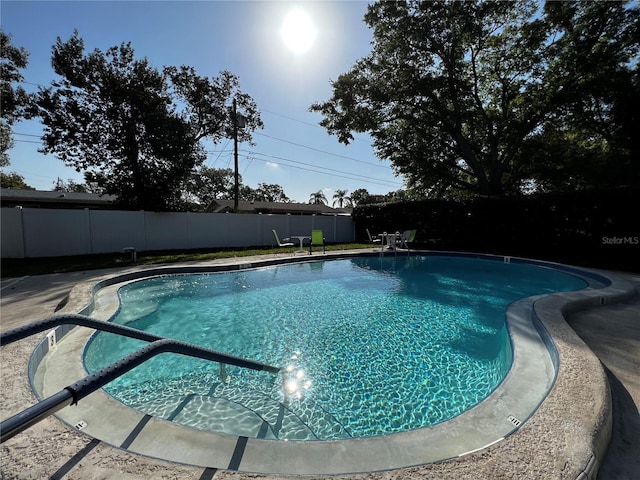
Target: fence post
point(144, 226)
point(23, 233)
point(87, 217)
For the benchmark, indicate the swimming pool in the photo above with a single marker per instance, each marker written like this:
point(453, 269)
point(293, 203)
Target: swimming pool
point(369, 346)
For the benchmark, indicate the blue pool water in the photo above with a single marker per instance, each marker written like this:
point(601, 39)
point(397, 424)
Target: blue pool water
point(369, 345)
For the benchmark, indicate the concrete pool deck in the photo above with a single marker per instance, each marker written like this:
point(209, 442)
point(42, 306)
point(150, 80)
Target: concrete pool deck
point(555, 443)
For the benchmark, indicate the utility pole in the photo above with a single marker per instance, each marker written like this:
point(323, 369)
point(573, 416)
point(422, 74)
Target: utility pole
point(235, 157)
point(239, 121)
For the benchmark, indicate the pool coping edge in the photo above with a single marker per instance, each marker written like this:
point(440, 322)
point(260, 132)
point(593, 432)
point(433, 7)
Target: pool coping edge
point(548, 310)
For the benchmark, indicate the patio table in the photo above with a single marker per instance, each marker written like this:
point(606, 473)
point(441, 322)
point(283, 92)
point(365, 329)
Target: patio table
point(390, 239)
point(301, 239)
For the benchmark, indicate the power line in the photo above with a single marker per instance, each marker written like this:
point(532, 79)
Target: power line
point(321, 151)
point(250, 156)
point(306, 123)
point(29, 83)
point(313, 168)
point(27, 134)
point(315, 125)
point(290, 118)
point(328, 174)
point(221, 152)
point(250, 159)
point(317, 169)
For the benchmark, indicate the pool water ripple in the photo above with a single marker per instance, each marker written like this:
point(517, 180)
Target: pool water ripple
point(369, 346)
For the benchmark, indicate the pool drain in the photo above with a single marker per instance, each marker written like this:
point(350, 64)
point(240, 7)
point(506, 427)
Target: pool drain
point(514, 420)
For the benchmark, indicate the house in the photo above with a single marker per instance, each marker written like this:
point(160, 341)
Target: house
point(10, 197)
point(244, 206)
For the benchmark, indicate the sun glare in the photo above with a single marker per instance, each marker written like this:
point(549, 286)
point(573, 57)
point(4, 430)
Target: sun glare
point(298, 31)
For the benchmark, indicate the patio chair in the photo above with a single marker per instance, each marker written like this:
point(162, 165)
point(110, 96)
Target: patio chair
point(371, 239)
point(317, 238)
point(279, 243)
point(408, 236)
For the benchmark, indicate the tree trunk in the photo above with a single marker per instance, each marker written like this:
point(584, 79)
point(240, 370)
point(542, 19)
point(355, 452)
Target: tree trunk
point(132, 153)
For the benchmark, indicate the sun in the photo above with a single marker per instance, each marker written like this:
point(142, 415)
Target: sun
point(298, 31)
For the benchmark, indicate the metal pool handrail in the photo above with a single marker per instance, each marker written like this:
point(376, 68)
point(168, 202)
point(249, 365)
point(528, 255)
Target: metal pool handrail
point(80, 389)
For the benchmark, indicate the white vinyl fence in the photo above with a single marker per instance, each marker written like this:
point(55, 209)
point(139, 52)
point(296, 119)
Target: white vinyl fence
point(39, 232)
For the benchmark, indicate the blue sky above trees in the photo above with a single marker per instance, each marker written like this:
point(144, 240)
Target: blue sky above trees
point(242, 37)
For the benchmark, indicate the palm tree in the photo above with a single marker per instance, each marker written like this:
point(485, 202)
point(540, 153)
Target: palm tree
point(340, 197)
point(318, 198)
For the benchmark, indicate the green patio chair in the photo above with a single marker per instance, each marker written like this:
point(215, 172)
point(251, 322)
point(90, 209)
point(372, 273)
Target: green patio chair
point(317, 238)
point(408, 236)
point(279, 243)
point(371, 239)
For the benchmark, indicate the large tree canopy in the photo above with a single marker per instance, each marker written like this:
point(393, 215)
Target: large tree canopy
point(208, 104)
point(208, 184)
point(592, 140)
point(127, 127)
point(452, 91)
point(268, 192)
point(13, 100)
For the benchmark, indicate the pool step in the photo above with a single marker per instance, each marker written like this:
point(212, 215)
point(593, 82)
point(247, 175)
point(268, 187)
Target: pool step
point(240, 411)
point(310, 416)
point(222, 416)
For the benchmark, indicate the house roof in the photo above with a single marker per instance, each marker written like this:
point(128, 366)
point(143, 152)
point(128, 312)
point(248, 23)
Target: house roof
point(222, 206)
point(40, 198)
point(10, 197)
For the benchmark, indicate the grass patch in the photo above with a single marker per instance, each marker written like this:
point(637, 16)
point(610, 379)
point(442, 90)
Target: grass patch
point(19, 267)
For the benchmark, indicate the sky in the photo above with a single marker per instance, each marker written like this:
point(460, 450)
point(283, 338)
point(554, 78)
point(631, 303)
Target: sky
point(243, 37)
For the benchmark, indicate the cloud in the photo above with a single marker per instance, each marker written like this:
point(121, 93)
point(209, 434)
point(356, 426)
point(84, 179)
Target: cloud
point(273, 165)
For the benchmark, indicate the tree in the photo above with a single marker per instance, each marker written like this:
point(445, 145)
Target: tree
point(593, 133)
point(318, 198)
point(245, 192)
point(13, 101)
point(208, 184)
point(112, 117)
point(341, 198)
point(270, 193)
point(129, 128)
point(397, 196)
point(208, 104)
point(359, 196)
point(453, 90)
point(69, 186)
point(13, 180)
